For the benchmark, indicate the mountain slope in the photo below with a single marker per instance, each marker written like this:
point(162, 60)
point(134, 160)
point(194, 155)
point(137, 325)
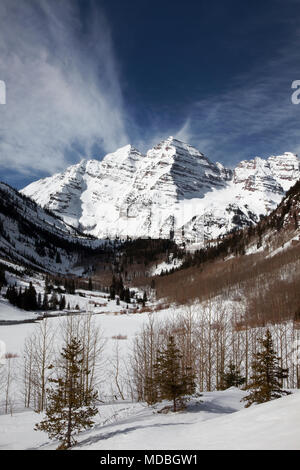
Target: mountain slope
point(256, 269)
point(34, 237)
point(172, 191)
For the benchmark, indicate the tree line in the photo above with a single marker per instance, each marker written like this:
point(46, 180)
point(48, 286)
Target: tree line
point(28, 299)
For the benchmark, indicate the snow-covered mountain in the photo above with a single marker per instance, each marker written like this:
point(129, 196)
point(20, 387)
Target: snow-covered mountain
point(173, 190)
point(34, 237)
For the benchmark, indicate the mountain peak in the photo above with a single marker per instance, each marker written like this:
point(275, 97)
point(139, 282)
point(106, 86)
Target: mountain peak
point(168, 190)
point(123, 154)
point(177, 148)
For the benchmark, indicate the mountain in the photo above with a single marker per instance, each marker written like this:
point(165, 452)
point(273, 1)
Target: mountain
point(35, 238)
point(173, 190)
point(253, 272)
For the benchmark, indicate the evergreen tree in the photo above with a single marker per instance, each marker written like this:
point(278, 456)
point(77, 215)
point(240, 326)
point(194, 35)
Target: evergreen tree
point(127, 296)
point(58, 258)
point(39, 301)
point(70, 406)
point(172, 382)
point(62, 302)
point(117, 288)
point(53, 301)
point(26, 299)
point(30, 298)
point(2, 277)
point(45, 305)
point(231, 378)
point(112, 293)
point(47, 285)
point(144, 298)
point(266, 381)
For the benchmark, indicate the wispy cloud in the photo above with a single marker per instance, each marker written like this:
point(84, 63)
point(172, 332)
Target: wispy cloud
point(64, 96)
point(255, 116)
point(63, 87)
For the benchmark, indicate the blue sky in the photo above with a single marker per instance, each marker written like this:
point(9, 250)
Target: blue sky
point(85, 77)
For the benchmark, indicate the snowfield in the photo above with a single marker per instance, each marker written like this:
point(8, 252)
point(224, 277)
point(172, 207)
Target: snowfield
point(215, 420)
point(10, 313)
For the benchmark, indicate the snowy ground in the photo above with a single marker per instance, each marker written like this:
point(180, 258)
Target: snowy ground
point(10, 313)
point(164, 266)
point(216, 420)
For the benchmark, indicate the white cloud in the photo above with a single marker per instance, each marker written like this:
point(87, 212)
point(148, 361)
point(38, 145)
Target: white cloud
point(256, 114)
point(63, 90)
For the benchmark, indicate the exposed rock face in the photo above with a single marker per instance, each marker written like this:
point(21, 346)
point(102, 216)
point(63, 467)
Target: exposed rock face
point(32, 236)
point(276, 174)
point(173, 190)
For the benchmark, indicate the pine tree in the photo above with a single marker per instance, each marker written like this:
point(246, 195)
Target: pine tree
point(2, 277)
point(127, 296)
point(145, 299)
point(53, 301)
point(172, 382)
point(62, 302)
point(47, 285)
point(45, 305)
point(266, 381)
point(58, 258)
point(39, 301)
point(30, 298)
point(70, 406)
point(231, 378)
point(112, 292)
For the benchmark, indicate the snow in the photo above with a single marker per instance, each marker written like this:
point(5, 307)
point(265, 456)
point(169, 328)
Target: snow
point(166, 266)
point(22, 247)
point(10, 313)
point(172, 187)
point(215, 420)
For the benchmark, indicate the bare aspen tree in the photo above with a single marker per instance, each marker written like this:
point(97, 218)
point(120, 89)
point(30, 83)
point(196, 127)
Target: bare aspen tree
point(37, 356)
point(209, 345)
point(92, 339)
point(84, 328)
point(28, 370)
point(116, 372)
point(43, 356)
point(143, 358)
point(183, 329)
point(2, 377)
point(9, 382)
point(199, 334)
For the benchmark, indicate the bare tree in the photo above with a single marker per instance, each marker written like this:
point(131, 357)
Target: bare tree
point(116, 373)
point(85, 329)
point(9, 382)
point(38, 354)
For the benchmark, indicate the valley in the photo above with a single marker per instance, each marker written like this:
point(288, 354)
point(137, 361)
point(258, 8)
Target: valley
point(128, 295)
